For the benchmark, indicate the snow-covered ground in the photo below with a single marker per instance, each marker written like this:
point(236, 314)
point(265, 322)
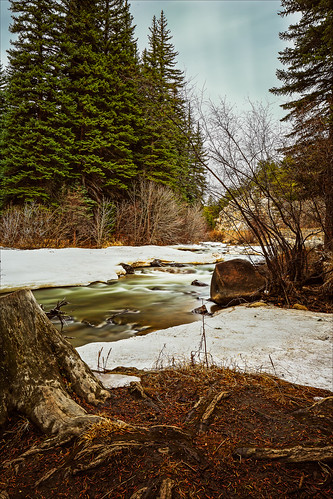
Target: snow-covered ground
point(295, 345)
point(292, 344)
point(43, 268)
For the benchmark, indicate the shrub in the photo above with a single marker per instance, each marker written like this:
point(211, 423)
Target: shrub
point(27, 226)
point(34, 225)
point(154, 215)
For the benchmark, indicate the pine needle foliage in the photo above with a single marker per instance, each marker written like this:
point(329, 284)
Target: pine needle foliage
point(37, 137)
point(80, 109)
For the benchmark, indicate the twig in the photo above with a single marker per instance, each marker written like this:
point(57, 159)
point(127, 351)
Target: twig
point(204, 340)
point(220, 444)
point(270, 358)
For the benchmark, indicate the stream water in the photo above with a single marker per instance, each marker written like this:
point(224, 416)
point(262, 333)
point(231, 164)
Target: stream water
point(151, 299)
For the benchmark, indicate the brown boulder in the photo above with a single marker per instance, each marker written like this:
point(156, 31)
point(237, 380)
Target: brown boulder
point(234, 281)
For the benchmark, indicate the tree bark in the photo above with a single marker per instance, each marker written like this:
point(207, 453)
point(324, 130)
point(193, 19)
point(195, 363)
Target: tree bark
point(39, 369)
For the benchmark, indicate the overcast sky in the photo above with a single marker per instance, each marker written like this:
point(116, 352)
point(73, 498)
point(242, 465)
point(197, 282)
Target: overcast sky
point(228, 47)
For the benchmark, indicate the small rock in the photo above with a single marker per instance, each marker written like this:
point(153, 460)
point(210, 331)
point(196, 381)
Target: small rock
point(128, 268)
point(156, 263)
point(198, 283)
point(201, 310)
point(299, 306)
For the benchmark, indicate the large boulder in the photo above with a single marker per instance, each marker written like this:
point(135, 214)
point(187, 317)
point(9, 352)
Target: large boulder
point(234, 281)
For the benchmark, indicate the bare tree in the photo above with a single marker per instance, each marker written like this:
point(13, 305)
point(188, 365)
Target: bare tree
point(259, 187)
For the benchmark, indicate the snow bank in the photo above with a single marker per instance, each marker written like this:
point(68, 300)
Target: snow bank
point(294, 345)
point(44, 268)
point(291, 344)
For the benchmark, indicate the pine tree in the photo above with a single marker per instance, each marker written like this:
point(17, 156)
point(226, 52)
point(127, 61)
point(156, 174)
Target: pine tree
point(122, 98)
point(3, 101)
point(3, 85)
point(166, 144)
point(309, 60)
point(37, 138)
point(101, 56)
point(159, 149)
point(308, 77)
point(193, 181)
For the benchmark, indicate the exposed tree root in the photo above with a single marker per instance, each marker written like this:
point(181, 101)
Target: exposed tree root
point(203, 410)
point(165, 491)
point(320, 414)
point(138, 392)
point(106, 438)
point(139, 493)
point(296, 454)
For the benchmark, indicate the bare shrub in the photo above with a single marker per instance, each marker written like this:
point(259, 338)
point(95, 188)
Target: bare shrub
point(150, 216)
point(216, 235)
point(103, 222)
point(154, 215)
point(28, 226)
point(194, 225)
point(34, 226)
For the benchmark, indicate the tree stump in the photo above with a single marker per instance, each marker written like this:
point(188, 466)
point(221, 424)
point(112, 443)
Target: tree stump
point(39, 369)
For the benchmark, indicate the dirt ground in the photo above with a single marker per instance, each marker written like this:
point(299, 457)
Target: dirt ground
point(211, 414)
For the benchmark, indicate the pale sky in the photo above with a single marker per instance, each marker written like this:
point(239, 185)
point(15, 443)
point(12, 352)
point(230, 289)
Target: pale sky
point(228, 47)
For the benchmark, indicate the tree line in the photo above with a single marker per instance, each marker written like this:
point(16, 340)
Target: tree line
point(80, 108)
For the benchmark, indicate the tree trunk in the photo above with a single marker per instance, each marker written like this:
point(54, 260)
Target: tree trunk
point(328, 197)
point(39, 369)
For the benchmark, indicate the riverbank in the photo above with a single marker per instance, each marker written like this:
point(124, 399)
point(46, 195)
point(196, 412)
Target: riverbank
point(43, 268)
point(189, 430)
point(294, 345)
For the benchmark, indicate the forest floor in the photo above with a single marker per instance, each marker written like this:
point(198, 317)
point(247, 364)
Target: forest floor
point(219, 412)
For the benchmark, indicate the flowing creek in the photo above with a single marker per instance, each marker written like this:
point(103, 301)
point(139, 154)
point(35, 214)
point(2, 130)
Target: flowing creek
point(134, 304)
point(153, 298)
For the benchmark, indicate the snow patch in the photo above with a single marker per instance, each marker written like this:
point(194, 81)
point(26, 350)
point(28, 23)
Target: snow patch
point(291, 344)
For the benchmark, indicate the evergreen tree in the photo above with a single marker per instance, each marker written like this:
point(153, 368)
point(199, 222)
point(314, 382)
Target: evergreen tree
point(309, 60)
point(308, 78)
point(122, 65)
point(166, 144)
point(193, 182)
point(3, 86)
point(3, 100)
point(37, 138)
point(101, 55)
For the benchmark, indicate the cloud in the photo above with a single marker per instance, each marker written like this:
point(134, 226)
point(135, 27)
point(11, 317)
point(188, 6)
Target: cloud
point(230, 46)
